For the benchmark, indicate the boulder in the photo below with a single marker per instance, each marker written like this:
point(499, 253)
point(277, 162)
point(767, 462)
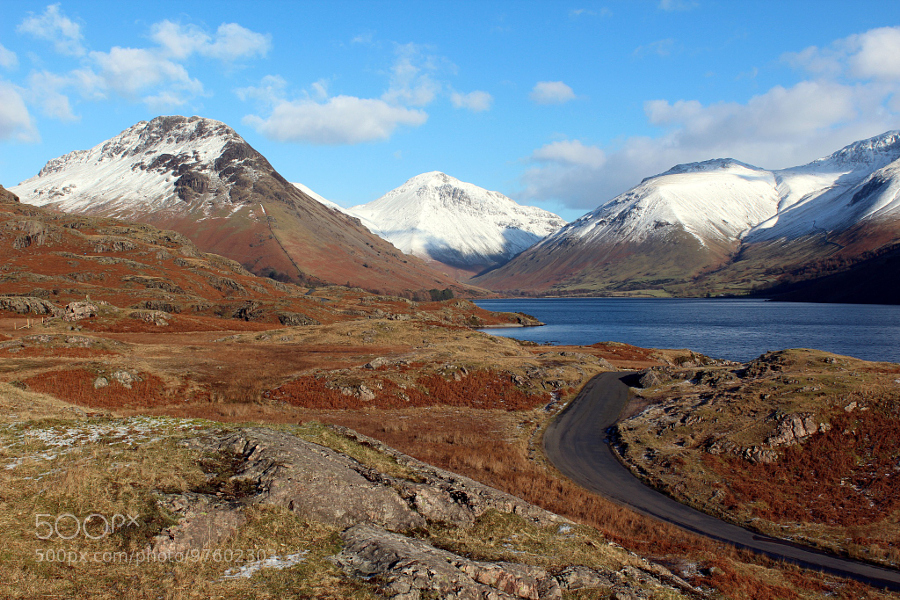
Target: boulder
point(75, 311)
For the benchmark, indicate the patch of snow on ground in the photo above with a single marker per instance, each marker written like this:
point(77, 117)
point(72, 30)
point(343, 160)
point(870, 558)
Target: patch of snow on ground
point(274, 562)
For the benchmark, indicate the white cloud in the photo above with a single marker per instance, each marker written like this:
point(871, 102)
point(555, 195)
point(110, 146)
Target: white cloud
point(340, 120)
point(874, 54)
point(780, 128)
point(878, 56)
point(272, 90)
point(412, 83)
point(233, 42)
point(659, 47)
point(584, 12)
point(476, 101)
point(55, 27)
point(8, 58)
point(570, 153)
point(44, 90)
point(135, 71)
point(230, 42)
point(551, 92)
point(179, 41)
point(15, 121)
point(677, 5)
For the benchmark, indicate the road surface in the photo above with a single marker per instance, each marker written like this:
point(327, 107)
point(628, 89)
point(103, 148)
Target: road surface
point(575, 442)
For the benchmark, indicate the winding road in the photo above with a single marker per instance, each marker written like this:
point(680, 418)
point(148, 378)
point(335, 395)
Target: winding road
point(575, 442)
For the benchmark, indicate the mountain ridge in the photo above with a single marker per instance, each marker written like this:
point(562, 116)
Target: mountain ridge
point(709, 227)
point(199, 177)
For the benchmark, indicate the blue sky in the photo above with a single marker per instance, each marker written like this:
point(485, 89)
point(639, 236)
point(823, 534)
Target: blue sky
point(557, 104)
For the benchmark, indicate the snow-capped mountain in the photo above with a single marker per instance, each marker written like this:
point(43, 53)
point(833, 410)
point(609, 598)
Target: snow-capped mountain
point(718, 216)
point(440, 218)
point(199, 177)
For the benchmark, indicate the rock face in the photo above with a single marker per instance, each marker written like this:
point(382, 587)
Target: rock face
point(198, 177)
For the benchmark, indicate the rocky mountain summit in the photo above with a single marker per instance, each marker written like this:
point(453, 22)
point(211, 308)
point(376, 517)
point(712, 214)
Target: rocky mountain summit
point(199, 177)
point(439, 218)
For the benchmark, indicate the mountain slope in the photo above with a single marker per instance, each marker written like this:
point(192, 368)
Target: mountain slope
point(721, 226)
point(460, 225)
point(200, 178)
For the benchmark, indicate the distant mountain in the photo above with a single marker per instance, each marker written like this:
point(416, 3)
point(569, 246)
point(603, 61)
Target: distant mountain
point(463, 227)
point(200, 178)
point(721, 226)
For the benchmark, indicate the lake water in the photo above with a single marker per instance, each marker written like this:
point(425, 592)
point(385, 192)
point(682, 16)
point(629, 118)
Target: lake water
point(735, 329)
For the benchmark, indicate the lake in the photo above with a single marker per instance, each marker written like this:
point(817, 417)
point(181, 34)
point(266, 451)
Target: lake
point(735, 329)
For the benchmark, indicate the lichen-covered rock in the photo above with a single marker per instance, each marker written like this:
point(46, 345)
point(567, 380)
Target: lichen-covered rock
point(407, 567)
point(27, 304)
point(315, 481)
point(203, 522)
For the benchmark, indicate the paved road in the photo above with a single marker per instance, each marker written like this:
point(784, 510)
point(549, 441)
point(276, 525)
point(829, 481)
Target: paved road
point(575, 443)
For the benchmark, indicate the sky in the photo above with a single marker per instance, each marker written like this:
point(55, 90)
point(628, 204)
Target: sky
point(556, 104)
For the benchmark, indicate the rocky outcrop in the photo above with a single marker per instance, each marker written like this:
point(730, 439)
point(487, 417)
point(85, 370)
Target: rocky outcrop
point(75, 311)
point(29, 305)
point(315, 481)
point(32, 233)
point(374, 509)
point(447, 497)
point(292, 319)
point(793, 429)
point(408, 567)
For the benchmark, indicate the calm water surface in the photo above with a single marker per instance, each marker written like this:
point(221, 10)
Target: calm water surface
point(733, 329)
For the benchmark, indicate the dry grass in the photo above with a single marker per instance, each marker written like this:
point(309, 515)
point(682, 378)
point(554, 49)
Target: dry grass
point(120, 473)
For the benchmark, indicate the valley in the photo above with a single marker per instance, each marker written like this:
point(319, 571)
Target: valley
point(164, 345)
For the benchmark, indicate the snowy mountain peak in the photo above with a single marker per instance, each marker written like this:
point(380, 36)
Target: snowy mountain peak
point(152, 165)
point(874, 152)
point(716, 164)
point(438, 217)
